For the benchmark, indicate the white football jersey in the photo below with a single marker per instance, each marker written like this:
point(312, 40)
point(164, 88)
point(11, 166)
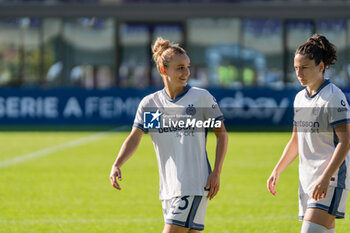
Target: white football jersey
point(181, 152)
point(315, 118)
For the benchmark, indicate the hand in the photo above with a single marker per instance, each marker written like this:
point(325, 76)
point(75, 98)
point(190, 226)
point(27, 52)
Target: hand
point(320, 190)
point(213, 185)
point(115, 172)
point(272, 182)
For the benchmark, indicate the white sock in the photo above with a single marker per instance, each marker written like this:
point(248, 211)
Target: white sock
point(310, 227)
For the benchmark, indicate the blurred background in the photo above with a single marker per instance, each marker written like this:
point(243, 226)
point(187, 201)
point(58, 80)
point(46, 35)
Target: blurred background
point(90, 61)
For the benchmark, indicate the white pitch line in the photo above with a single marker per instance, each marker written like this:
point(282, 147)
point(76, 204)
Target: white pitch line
point(60, 147)
point(60, 221)
point(138, 220)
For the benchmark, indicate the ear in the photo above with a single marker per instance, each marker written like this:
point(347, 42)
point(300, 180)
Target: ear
point(322, 66)
point(162, 70)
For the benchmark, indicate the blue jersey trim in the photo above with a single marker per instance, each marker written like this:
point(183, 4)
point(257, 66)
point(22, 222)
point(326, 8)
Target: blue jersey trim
point(175, 222)
point(209, 166)
point(220, 118)
point(340, 215)
point(335, 213)
point(194, 226)
point(179, 96)
point(336, 123)
point(206, 154)
point(342, 169)
point(198, 227)
point(342, 175)
point(318, 206)
point(325, 83)
point(195, 204)
point(140, 126)
point(333, 208)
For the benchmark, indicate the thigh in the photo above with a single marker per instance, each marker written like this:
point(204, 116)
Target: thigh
point(320, 217)
point(170, 228)
point(193, 231)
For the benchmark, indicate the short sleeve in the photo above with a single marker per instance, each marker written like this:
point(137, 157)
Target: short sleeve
point(338, 110)
point(211, 108)
point(138, 122)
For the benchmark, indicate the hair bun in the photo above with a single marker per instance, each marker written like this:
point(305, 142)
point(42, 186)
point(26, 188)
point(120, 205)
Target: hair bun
point(163, 50)
point(160, 45)
point(329, 50)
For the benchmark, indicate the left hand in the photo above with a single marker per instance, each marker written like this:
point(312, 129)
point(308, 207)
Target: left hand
point(213, 185)
point(320, 190)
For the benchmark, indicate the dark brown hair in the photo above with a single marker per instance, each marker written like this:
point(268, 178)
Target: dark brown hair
point(318, 48)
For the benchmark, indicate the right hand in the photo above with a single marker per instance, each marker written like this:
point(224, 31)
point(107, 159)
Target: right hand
point(272, 182)
point(115, 172)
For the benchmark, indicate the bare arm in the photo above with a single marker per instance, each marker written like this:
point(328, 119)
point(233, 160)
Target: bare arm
point(289, 154)
point(126, 151)
point(339, 154)
point(213, 182)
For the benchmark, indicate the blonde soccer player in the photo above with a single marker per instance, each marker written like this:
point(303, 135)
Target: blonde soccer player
point(186, 181)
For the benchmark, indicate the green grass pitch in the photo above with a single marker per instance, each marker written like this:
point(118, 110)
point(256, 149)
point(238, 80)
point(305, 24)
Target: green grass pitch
point(68, 190)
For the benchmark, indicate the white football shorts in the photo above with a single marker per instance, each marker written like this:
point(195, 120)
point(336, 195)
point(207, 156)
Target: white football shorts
point(186, 211)
point(334, 203)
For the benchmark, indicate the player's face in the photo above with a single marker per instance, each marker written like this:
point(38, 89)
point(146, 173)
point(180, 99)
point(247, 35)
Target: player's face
point(178, 70)
point(308, 73)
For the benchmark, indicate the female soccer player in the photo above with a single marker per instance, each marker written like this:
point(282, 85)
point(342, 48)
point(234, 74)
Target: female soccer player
point(185, 177)
point(321, 137)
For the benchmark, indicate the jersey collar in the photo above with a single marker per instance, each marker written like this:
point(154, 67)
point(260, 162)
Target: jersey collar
point(179, 96)
point(325, 83)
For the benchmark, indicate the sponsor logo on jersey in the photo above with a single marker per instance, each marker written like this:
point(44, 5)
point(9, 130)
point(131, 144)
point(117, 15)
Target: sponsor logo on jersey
point(190, 110)
point(314, 124)
point(342, 109)
point(316, 110)
point(307, 126)
point(342, 102)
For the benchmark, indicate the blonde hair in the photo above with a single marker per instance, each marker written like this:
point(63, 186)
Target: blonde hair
point(163, 51)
